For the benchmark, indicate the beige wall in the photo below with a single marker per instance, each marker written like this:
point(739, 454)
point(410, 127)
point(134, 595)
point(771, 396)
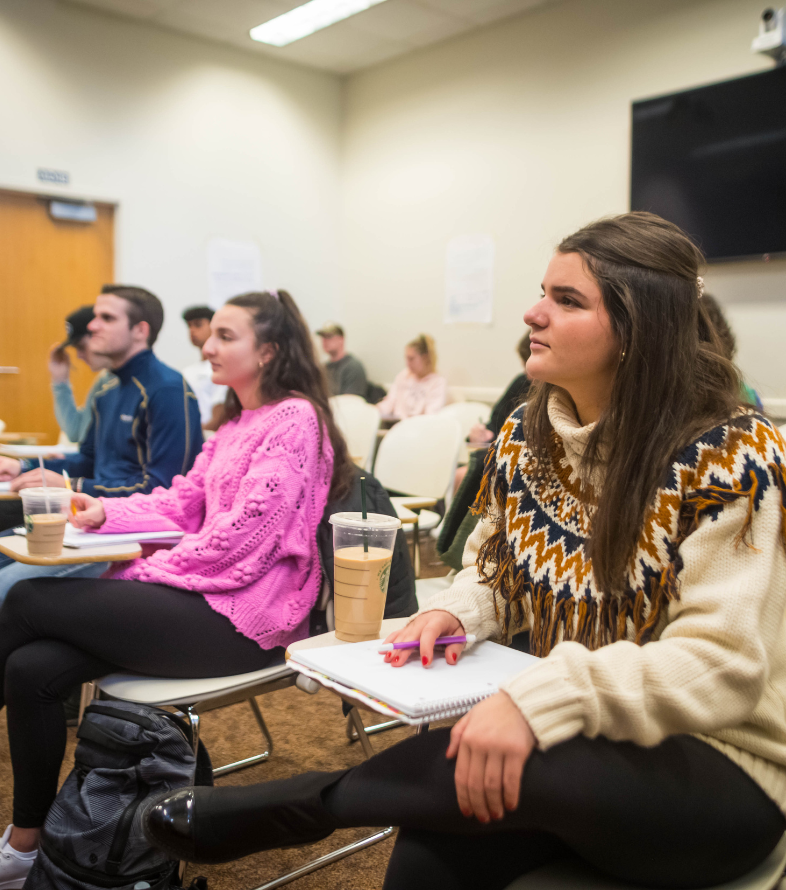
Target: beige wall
point(192, 139)
point(521, 130)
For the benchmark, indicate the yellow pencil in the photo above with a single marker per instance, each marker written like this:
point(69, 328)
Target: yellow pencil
point(67, 479)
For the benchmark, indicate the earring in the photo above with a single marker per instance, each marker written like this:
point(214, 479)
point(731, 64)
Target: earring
point(622, 357)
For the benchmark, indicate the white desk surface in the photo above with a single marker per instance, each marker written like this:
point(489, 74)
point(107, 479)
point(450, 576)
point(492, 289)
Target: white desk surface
point(413, 501)
point(15, 546)
point(330, 639)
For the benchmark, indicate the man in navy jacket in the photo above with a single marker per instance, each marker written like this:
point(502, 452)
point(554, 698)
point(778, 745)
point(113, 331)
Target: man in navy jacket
point(146, 427)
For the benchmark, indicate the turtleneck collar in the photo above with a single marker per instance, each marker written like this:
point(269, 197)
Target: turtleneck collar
point(574, 436)
point(133, 365)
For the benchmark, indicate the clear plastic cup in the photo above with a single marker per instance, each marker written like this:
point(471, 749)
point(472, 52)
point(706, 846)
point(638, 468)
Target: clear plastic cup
point(362, 553)
point(46, 514)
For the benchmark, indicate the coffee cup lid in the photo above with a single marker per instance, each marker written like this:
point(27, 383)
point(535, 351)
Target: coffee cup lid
point(52, 494)
point(373, 520)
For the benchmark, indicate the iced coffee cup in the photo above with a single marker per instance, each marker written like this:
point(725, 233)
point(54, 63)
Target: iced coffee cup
point(46, 514)
point(362, 553)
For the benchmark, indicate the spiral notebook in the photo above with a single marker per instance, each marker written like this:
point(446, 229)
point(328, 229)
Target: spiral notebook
point(414, 693)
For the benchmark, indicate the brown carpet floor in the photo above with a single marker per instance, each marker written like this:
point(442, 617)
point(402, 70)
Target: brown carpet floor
point(308, 733)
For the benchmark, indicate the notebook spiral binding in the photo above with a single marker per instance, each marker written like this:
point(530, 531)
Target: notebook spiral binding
point(453, 707)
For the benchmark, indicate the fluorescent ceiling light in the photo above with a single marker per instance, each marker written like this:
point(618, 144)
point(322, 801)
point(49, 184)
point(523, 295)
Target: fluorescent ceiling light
point(306, 19)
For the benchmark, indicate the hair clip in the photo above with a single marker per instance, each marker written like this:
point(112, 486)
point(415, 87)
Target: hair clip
point(700, 282)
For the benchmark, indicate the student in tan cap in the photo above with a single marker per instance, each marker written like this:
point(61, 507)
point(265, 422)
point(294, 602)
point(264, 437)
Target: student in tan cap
point(345, 374)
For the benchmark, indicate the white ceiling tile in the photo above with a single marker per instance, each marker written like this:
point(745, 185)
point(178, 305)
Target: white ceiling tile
point(383, 32)
point(138, 9)
point(341, 39)
point(505, 9)
point(477, 11)
point(400, 20)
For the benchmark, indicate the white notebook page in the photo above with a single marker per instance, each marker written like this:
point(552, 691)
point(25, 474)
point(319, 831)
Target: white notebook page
point(77, 537)
point(413, 689)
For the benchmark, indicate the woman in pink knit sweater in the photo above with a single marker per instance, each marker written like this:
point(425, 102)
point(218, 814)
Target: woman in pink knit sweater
point(227, 599)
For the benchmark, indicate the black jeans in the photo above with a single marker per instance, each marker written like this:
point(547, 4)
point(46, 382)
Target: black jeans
point(680, 814)
point(56, 633)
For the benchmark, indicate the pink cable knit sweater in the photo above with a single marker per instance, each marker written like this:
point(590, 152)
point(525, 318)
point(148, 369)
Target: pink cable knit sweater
point(250, 508)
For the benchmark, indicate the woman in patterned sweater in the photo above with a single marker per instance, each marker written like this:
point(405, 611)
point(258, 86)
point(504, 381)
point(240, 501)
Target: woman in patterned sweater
point(633, 523)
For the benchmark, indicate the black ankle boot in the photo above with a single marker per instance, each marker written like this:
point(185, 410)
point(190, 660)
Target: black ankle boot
point(208, 824)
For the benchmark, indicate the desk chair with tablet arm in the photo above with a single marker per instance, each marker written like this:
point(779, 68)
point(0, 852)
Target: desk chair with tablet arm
point(196, 697)
point(418, 458)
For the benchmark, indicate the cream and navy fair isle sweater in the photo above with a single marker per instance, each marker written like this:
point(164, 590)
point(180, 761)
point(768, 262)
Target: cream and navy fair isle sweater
point(695, 643)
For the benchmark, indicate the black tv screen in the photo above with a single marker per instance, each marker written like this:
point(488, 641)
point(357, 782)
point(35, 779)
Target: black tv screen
point(713, 160)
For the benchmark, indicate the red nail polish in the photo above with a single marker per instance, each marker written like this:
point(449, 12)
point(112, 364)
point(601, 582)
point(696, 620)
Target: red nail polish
point(424, 660)
point(452, 658)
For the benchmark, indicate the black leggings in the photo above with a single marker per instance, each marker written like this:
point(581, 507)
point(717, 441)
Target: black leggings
point(680, 814)
point(56, 633)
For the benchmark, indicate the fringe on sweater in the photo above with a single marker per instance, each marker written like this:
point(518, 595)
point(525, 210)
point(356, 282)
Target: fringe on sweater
point(705, 479)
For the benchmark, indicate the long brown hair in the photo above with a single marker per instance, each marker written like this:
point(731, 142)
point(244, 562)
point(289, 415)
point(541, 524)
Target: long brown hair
point(673, 382)
point(293, 371)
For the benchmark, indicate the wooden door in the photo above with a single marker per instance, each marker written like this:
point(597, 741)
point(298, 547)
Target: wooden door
point(48, 268)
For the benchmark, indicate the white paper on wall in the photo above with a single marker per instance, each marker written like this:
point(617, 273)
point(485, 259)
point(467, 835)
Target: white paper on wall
point(233, 267)
point(469, 279)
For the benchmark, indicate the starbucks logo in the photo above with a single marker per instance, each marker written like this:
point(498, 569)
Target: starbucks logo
point(28, 524)
point(383, 577)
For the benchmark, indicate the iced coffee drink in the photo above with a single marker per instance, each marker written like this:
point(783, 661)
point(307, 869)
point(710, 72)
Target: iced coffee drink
point(363, 551)
point(46, 513)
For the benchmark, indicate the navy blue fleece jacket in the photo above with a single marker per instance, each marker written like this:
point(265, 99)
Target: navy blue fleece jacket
point(145, 431)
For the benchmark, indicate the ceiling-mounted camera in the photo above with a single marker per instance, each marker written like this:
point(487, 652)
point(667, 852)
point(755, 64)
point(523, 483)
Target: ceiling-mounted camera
point(772, 35)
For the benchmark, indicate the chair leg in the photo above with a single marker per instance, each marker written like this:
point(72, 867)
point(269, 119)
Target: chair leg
point(349, 849)
point(193, 719)
point(352, 734)
point(322, 861)
point(416, 548)
point(355, 718)
point(87, 695)
point(256, 758)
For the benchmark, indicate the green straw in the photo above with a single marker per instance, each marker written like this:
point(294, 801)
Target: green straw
point(364, 513)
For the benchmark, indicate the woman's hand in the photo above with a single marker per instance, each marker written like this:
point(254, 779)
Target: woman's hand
point(491, 744)
point(90, 511)
point(426, 628)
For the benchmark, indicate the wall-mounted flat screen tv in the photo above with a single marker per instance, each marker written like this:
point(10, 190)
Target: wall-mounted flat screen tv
point(713, 160)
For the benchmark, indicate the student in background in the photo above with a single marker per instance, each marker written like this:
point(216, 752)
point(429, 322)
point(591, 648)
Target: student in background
point(418, 389)
point(210, 396)
point(345, 374)
point(228, 598)
point(146, 428)
point(514, 395)
point(729, 345)
point(632, 521)
point(74, 421)
point(482, 434)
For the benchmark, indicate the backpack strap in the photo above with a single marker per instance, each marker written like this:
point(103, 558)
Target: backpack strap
point(115, 856)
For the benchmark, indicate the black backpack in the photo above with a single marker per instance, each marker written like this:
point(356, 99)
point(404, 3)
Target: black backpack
point(92, 837)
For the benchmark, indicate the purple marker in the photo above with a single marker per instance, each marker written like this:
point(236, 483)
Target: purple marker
point(415, 644)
